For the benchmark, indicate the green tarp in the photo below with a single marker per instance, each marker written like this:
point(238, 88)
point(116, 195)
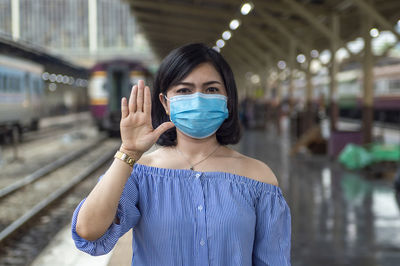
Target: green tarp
point(357, 157)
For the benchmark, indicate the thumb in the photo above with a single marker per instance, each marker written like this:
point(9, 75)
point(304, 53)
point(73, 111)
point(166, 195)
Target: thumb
point(162, 128)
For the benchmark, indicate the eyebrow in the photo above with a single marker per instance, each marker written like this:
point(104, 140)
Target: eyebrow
point(204, 84)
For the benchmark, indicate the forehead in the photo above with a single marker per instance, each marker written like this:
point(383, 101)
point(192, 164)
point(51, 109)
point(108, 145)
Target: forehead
point(204, 72)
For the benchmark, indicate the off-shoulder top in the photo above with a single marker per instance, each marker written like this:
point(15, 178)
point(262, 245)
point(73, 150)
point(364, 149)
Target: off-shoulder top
point(190, 218)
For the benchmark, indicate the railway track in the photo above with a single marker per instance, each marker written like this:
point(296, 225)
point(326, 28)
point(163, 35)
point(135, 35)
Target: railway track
point(40, 197)
point(41, 172)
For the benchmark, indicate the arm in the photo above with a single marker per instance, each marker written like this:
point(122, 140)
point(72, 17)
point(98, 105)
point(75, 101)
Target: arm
point(98, 211)
point(273, 229)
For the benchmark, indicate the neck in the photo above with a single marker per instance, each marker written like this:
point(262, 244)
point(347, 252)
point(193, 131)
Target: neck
point(196, 148)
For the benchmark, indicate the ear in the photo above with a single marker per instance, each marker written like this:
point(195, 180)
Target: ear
point(164, 102)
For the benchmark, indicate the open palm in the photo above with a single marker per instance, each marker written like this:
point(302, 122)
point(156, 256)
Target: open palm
point(137, 132)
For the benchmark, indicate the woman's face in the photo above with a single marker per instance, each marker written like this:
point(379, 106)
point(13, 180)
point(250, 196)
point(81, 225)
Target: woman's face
point(204, 78)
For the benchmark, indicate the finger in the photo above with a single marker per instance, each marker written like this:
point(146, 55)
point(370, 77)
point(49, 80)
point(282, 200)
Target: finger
point(124, 107)
point(132, 99)
point(139, 101)
point(147, 101)
point(162, 128)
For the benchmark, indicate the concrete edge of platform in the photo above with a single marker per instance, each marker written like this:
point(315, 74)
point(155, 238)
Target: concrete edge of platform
point(61, 251)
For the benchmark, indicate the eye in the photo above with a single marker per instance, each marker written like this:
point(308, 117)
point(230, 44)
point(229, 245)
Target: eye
point(212, 89)
point(183, 91)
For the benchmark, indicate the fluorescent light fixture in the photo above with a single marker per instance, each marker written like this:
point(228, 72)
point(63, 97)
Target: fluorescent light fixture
point(374, 32)
point(246, 8)
point(216, 48)
point(301, 58)
point(255, 79)
point(220, 43)
point(226, 35)
point(314, 53)
point(234, 24)
point(281, 64)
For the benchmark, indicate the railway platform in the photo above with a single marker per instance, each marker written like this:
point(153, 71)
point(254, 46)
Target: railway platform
point(350, 218)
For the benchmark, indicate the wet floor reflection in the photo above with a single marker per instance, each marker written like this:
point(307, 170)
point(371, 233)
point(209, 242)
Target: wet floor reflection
point(339, 217)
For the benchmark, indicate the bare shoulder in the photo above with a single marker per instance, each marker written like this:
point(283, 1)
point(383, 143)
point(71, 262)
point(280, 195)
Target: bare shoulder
point(256, 169)
point(158, 157)
point(149, 157)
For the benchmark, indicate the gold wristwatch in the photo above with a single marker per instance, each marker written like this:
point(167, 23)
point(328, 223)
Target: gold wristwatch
point(125, 157)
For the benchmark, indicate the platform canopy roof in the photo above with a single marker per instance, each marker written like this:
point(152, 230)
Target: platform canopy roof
point(51, 63)
point(273, 30)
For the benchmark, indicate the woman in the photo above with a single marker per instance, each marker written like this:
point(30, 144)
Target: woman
point(193, 201)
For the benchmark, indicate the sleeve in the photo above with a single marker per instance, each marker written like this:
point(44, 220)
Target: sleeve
point(273, 231)
point(127, 213)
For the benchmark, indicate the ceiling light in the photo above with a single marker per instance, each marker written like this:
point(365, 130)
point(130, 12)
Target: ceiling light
point(281, 64)
point(246, 8)
point(220, 43)
point(301, 58)
point(374, 32)
point(226, 35)
point(234, 24)
point(216, 48)
point(314, 53)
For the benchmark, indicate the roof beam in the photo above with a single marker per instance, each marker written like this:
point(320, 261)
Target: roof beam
point(370, 10)
point(277, 6)
point(189, 9)
point(181, 33)
point(256, 52)
point(310, 17)
point(192, 22)
point(267, 41)
point(253, 64)
point(184, 30)
point(281, 28)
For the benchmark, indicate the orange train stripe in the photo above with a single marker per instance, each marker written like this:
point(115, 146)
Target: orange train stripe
point(103, 101)
point(99, 74)
point(137, 73)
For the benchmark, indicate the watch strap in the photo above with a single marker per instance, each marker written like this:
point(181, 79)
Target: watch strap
point(125, 157)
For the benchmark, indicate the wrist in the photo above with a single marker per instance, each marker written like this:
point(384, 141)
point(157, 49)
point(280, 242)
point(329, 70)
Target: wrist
point(133, 154)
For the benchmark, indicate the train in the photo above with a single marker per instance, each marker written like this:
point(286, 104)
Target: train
point(21, 95)
point(28, 93)
point(109, 81)
point(386, 99)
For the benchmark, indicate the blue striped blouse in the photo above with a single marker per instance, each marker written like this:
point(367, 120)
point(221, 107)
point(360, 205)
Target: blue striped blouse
point(184, 217)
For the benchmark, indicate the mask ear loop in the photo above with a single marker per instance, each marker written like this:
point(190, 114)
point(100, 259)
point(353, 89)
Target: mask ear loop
point(166, 98)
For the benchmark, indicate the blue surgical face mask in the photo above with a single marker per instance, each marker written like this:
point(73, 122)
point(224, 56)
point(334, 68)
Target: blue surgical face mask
point(198, 115)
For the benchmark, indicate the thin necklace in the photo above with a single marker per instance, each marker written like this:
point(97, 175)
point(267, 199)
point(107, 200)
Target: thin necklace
point(202, 160)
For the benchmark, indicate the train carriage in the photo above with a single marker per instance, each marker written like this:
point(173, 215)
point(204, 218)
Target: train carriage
point(21, 94)
point(109, 82)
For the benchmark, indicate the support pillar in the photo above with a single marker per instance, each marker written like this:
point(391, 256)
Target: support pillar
point(309, 121)
point(92, 4)
point(292, 56)
point(15, 20)
point(334, 67)
point(278, 103)
point(368, 82)
point(269, 68)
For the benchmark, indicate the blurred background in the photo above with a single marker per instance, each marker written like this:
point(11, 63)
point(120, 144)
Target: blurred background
point(319, 93)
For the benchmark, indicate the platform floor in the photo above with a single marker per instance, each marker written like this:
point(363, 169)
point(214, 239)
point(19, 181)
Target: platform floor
point(339, 217)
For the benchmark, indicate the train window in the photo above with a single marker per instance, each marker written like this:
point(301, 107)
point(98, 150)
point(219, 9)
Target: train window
point(18, 84)
point(5, 79)
point(14, 84)
point(1, 83)
point(36, 87)
point(394, 84)
point(11, 84)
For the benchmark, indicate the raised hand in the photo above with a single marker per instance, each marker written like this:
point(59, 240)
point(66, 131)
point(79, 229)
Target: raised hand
point(137, 132)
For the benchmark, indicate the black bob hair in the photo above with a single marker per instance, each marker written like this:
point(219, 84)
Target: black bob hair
point(174, 68)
